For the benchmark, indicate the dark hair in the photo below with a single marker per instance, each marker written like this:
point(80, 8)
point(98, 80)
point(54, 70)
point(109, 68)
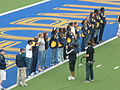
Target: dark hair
point(64, 29)
point(75, 23)
point(54, 31)
point(89, 43)
point(60, 29)
point(68, 27)
point(45, 34)
point(83, 21)
point(35, 39)
point(29, 41)
point(102, 9)
point(91, 14)
point(96, 11)
point(71, 23)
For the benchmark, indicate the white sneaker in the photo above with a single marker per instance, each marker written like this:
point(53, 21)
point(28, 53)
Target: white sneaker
point(71, 78)
point(29, 76)
point(86, 81)
point(32, 74)
point(37, 72)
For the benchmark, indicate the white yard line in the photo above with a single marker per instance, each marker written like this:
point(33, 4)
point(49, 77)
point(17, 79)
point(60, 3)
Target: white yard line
point(28, 6)
point(116, 67)
point(99, 65)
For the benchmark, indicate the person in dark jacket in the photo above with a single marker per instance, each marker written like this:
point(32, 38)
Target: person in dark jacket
point(35, 56)
point(102, 23)
point(54, 46)
point(89, 62)
point(60, 45)
point(72, 61)
point(46, 46)
point(2, 68)
point(21, 64)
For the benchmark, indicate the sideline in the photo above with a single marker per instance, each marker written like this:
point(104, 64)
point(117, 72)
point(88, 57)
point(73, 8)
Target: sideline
point(61, 63)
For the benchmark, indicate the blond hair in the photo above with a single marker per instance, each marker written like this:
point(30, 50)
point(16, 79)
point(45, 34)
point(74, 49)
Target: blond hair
point(40, 34)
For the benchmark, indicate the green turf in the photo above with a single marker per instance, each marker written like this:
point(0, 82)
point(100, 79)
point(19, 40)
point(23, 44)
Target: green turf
point(106, 78)
point(7, 5)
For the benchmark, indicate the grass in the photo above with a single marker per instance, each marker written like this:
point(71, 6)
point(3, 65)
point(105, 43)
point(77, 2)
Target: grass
point(106, 78)
point(7, 5)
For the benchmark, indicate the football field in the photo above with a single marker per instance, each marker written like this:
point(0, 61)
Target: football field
point(106, 69)
point(21, 20)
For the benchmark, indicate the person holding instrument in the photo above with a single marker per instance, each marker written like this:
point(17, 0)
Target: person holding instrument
point(89, 63)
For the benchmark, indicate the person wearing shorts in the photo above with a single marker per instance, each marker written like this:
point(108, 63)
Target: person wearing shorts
point(72, 61)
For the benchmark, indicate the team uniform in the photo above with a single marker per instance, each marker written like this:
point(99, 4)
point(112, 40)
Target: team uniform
point(102, 25)
point(53, 45)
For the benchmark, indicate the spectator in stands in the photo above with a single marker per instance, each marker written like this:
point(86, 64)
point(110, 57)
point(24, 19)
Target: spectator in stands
point(41, 52)
point(2, 68)
point(29, 57)
point(118, 20)
point(21, 64)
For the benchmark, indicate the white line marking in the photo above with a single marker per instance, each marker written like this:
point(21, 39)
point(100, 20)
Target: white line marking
point(98, 65)
point(116, 67)
point(28, 6)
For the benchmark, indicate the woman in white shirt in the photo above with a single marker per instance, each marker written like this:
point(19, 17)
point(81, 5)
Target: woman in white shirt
point(41, 52)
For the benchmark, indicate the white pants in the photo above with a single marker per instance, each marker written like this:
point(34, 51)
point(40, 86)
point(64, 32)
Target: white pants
point(118, 33)
point(2, 75)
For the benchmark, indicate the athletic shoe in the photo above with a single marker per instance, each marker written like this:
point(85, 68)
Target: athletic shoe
point(25, 85)
point(32, 74)
point(37, 72)
point(71, 78)
point(86, 81)
point(92, 80)
point(29, 76)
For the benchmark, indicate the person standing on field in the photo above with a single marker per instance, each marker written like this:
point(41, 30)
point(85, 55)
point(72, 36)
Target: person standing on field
point(2, 68)
point(21, 64)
